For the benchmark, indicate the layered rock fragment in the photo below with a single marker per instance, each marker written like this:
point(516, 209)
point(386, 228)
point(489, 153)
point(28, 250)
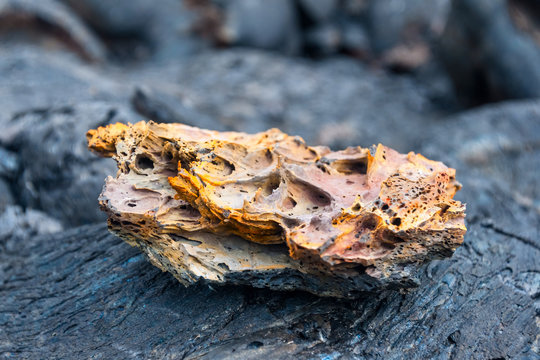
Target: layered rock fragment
point(268, 210)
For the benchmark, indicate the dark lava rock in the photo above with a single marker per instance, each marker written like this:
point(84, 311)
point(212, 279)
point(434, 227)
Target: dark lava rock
point(47, 165)
point(355, 38)
point(343, 35)
point(120, 17)
point(319, 10)
point(161, 106)
point(488, 58)
point(34, 81)
point(392, 22)
point(134, 30)
point(18, 226)
point(262, 24)
point(497, 148)
point(6, 198)
point(335, 102)
point(9, 164)
point(324, 39)
point(85, 293)
point(58, 175)
point(48, 17)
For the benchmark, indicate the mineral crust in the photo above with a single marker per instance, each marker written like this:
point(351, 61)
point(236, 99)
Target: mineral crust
point(269, 211)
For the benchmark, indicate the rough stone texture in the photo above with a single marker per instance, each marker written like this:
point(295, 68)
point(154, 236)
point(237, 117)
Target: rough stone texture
point(34, 81)
point(66, 179)
point(500, 143)
point(353, 214)
point(86, 293)
point(251, 91)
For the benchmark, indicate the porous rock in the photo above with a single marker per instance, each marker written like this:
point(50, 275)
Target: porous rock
point(352, 220)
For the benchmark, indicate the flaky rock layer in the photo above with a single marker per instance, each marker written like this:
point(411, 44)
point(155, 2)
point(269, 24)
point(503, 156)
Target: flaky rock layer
point(222, 206)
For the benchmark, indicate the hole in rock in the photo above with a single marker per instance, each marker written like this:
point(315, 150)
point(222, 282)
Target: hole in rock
point(143, 162)
point(370, 223)
point(220, 166)
point(184, 240)
point(255, 345)
point(348, 167)
point(289, 203)
point(271, 185)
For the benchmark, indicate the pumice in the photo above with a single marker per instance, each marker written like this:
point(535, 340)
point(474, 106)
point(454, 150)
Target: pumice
point(270, 211)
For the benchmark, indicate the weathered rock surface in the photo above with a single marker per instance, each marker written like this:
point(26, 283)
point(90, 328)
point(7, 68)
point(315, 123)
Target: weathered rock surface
point(367, 217)
point(34, 81)
point(86, 293)
point(18, 226)
point(66, 179)
point(336, 102)
point(499, 150)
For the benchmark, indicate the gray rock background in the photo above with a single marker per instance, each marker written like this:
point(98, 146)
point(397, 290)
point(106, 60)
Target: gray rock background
point(457, 80)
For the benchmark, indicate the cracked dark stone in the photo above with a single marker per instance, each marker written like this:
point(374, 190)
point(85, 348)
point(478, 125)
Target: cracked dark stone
point(113, 286)
point(66, 180)
point(482, 303)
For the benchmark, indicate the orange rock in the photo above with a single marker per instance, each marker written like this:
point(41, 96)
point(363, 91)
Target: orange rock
point(375, 208)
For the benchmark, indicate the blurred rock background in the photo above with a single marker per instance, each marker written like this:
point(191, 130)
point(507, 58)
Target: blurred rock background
point(458, 80)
